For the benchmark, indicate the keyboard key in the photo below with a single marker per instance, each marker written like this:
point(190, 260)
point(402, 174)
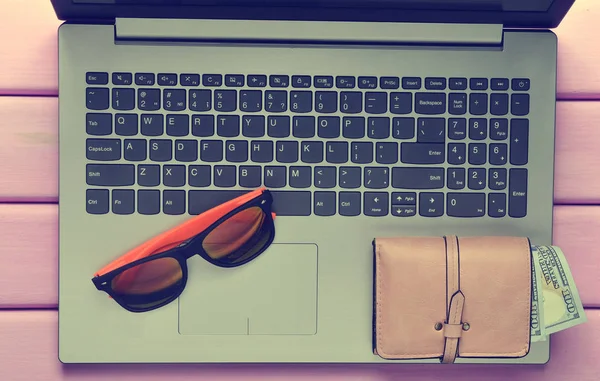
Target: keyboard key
point(431, 130)
point(257, 80)
point(496, 205)
point(276, 101)
point(457, 153)
point(389, 82)
point(404, 210)
point(328, 127)
point(456, 178)
point(275, 177)
point(123, 99)
point(312, 152)
point(367, 82)
point(200, 201)
point(279, 80)
point(303, 127)
point(212, 80)
point(430, 103)
point(292, 203)
point(323, 81)
point(498, 129)
point(403, 128)
point(349, 203)
point(325, 177)
point(225, 100)
point(123, 201)
point(324, 203)
point(350, 177)
point(148, 175)
point(457, 128)
point(336, 152)
point(174, 175)
point(478, 103)
point(161, 150)
point(434, 83)
point(144, 79)
point(520, 84)
point(110, 174)
point(404, 198)
point(519, 104)
point(351, 102)
point(477, 129)
point(301, 81)
point(250, 176)
point(376, 204)
point(199, 175)
point(386, 153)
point(253, 126)
point(458, 84)
point(174, 202)
point(178, 125)
point(422, 153)
point(187, 150)
point(300, 177)
point(499, 104)
point(431, 204)
point(149, 99)
point(477, 153)
point(417, 178)
point(519, 141)
point(478, 84)
point(96, 78)
point(465, 204)
point(211, 150)
point(497, 178)
point(135, 149)
point(126, 124)
point(287, 151)
point(96, 201)
point(224, 176)
point(228, 126)
point(103, 149)
point(411, 83)
point(476, 178)
point(345, 82)
point(361, 152)
point(400, 103)
point(200, 100)
point(250, 100)
point(174, 100)
point(517, 192)
point(122, 79)
point(152, 124)
point(375, 102)
point(148, 202)
point(189, 79)
point(98, 124)
point(499, 84)
point(97, 98)
point(457, 103)
point(377, 177)
point(301, 101)
point(261, 151)
point(354, 127)
point(379, 128)
point(498, 154)
point(203, 125)
point(326, 102)
point(236, 151)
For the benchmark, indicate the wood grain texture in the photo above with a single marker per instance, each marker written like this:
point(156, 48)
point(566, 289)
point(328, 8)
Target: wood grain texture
point(28, 128)
point(29, 62)
point(28, 350)
point(29, 264)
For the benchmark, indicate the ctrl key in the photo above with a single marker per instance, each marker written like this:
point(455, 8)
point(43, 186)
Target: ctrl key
point(96, 201)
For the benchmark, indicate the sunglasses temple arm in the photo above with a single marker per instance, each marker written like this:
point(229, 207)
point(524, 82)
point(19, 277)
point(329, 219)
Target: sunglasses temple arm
point(273, 215)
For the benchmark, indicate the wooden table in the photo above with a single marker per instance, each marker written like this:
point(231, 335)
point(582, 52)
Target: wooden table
point(28, 220)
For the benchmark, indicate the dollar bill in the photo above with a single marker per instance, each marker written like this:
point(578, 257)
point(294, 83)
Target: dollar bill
point(538, 327)
point(562, 306)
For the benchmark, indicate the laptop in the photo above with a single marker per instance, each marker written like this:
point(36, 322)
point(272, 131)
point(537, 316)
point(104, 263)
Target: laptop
point(364, 118)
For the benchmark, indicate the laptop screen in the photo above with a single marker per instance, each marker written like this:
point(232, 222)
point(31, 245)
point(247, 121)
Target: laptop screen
point(511, 13)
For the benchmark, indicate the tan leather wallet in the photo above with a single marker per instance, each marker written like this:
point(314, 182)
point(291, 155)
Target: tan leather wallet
point(449, 297)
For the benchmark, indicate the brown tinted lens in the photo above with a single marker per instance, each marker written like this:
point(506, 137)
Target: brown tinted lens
point(239, 237)
point(148, 277)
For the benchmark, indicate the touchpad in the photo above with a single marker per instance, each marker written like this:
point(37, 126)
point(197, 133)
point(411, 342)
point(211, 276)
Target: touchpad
point(275, 294)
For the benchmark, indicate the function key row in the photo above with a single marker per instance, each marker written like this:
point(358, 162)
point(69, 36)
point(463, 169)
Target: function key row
point(306, 81)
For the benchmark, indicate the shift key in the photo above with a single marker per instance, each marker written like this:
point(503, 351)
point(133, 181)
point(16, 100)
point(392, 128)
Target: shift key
point(110, 174)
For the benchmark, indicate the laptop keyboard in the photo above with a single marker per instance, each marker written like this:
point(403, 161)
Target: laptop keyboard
point(324, 145)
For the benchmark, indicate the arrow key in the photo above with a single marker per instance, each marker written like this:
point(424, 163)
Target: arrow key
point(404, 210)
point(431, 204)
point(376, 204)
point(403, 198)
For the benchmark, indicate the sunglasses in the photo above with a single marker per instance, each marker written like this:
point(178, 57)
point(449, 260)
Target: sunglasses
point(155, 273)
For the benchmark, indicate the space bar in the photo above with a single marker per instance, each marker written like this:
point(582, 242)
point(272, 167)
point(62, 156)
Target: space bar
point(284, 203)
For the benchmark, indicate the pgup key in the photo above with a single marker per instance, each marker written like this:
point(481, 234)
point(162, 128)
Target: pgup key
point(376, 177)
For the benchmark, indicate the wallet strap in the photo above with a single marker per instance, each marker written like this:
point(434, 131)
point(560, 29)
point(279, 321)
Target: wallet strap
point(455, 301)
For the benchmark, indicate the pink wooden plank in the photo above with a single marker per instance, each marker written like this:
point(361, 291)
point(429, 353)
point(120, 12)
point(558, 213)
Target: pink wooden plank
point(29, 352)
point(29, 62)
point(29, 267)
point(28, 126)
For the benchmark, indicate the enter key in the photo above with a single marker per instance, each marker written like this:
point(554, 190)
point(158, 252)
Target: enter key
point(517, 192)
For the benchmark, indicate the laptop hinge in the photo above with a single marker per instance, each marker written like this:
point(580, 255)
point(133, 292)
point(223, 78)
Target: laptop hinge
point(307, 31)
